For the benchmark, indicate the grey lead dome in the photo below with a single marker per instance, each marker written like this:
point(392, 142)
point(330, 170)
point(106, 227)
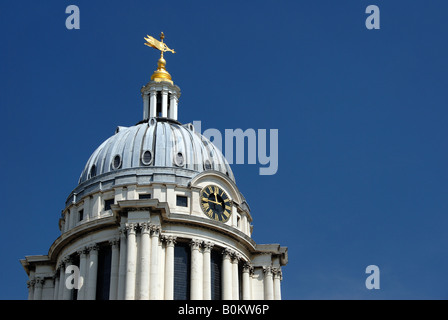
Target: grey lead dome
point(156, 143)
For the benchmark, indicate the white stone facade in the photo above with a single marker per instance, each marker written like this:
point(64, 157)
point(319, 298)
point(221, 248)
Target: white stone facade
point(143, 233)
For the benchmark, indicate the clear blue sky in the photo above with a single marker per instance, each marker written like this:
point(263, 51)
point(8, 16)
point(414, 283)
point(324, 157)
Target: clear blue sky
point(362, 119)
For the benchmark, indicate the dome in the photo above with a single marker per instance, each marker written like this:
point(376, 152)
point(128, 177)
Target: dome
point(157, 143)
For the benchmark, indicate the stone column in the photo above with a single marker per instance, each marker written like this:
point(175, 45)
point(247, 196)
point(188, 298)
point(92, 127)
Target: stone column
point(61, 281)
point(164, 104)
point(30, 285)
point(169, 267)
point(246, 282)
point(153, 104)
point(145, 106)
point(277, 279)
point(235, 277)
point(196, 270)
point(268, 283)
point(93, 272)
point(144, 261)
point(82, 274)
point(173, 107)
point(66, 293)
point(56, 287)
point(207, 286)
point(39, 283)
point(226, 275)
point(154, 280)
point(122, 264)
point(114, 266)
point(131, 265)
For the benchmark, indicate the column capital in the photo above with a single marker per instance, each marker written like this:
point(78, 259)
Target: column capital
point(169, 240)
point(131, 228)
point(195, 244)
point(155, 230)
point(145, 227)
point(82, 251)
point(208, 246)
point(227, 253)
point(39, 282)
point(114, 242)
point(267, 270)
point(235, 257)
point(93, 247)
point(30, 283)
point(277, 273)
point(67, 261)
point(248, 268)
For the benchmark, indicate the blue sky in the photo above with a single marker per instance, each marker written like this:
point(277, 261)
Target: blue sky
point(362, 119)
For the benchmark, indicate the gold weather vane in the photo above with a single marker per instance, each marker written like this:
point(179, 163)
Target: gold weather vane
point(160, 74)
point(159, 45)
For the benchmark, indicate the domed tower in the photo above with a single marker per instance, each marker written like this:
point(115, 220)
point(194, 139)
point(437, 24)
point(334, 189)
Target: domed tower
point(156, 214)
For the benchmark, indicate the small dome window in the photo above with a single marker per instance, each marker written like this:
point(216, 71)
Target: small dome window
point(147, 157)
point(207, 165)
point(179, 159)
point(116, 162)
point(92, 171)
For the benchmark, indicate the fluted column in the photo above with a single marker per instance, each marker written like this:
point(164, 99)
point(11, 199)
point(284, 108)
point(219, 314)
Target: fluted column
point(246, 282)
point(39, 282)
point(207, 287)
point(93, 272)
point(30, 285)
point(164, 104)
point(169, 267)
point(226, 275)
point(56, 287)
point(61, 281)
point(145, 106)
point(268, 283)
point(82, 274)
point(173, 107)
point(154, 275)
point(277, 279)
point(144, 261)
point(66, 292)
point(196, 270)
point(131, 265)
point(114, 267)
point(235, 280)
point(122, 264)
point(153, 104)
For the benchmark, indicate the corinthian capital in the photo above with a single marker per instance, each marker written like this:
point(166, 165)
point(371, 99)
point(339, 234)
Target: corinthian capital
point(195, 244)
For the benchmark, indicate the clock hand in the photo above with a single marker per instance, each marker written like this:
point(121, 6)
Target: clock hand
point(205, 199)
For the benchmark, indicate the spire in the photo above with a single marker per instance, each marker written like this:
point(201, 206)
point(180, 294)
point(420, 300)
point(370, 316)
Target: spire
point(160, 74)
point(160, 95)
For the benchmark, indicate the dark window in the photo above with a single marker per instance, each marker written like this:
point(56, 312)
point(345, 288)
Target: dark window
point(182, 201)
point(182, 256)
point(144, 196)
point(80, 215)
point(103, 278)
point(215, 268)
point(159, 104)
point(92, 171)
point(108, 203)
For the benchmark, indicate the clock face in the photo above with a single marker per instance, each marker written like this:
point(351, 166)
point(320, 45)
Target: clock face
point(216, 203)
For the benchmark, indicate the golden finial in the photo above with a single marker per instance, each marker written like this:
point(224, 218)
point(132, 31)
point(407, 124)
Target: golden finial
point(160, 74)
